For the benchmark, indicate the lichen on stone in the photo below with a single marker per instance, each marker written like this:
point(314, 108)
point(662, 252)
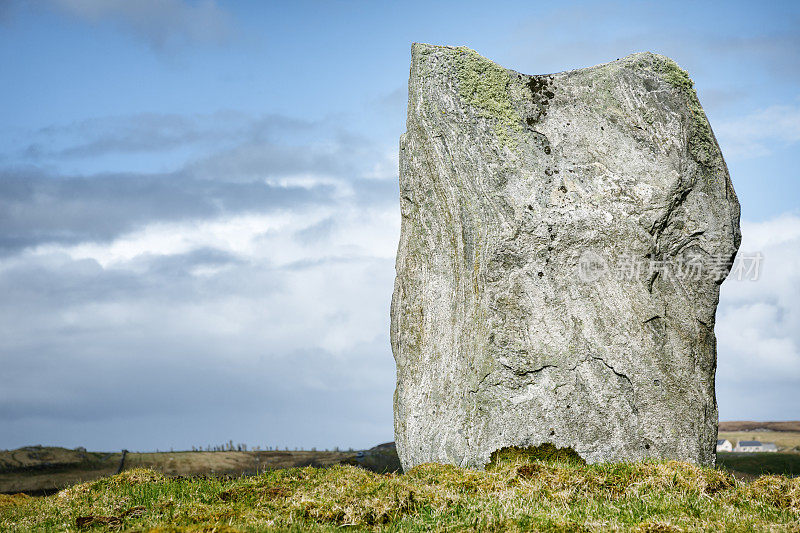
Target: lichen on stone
point(701, 139)
point(484, 85)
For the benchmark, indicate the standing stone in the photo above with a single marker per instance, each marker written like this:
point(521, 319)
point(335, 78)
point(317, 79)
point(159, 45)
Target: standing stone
point(563, 241)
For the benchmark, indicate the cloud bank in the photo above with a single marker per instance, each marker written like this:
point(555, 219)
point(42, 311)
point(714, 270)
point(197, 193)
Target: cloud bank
point(245, 293)
point(758, 327)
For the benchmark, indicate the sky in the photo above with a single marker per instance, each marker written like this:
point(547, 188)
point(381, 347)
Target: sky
point(199, 206)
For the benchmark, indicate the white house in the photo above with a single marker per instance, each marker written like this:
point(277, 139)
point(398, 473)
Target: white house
point(749, 446)
point(769, 447)
point(724, 445)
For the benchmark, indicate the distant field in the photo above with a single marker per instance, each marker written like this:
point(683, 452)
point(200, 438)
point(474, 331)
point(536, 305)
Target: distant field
point(749, 425)
point(43, 470)
point(788, 441)
point(200, 463)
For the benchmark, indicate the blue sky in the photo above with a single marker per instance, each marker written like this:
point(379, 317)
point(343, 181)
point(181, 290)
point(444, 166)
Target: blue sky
point(198, 204)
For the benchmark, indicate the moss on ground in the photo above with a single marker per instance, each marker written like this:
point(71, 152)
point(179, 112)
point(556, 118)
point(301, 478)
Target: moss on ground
point(545, 452)
point(518, 492)
point(484, 85)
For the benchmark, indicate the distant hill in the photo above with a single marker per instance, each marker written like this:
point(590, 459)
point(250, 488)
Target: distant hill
point(749, 425)
point(44, 469)
point(39, 458)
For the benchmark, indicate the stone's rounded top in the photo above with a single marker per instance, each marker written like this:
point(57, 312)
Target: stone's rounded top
point(495, 92)
point(644, 60)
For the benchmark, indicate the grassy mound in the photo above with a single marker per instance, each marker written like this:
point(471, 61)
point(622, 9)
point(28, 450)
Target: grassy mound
point(515, 493)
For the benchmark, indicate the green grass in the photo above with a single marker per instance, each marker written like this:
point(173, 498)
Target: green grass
point(516, 493)
point(761, 463)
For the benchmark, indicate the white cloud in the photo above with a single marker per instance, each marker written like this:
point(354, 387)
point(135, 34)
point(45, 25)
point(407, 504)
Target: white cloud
point(758, 133)
point(360, 232)
point(159, 22)
point(758, 326)
point(250, 285)
point(323, 279)
point(262, 311)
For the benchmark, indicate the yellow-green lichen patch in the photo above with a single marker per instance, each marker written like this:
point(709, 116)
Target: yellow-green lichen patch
point(701, 139)
point(484, 85)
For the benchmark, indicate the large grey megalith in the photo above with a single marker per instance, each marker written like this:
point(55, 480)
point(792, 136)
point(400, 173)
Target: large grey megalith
point(563, 241)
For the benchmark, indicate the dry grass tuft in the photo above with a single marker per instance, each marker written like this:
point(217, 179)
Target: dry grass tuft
point(778, 491)
point(13, 499)
point(657, 527)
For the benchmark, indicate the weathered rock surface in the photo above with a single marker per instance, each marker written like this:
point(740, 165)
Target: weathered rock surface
point(510, 185)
